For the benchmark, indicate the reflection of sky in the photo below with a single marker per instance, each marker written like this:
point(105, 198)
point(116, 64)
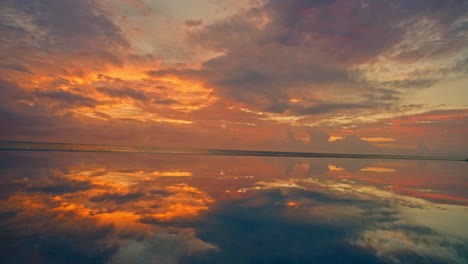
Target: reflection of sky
point(140, 208)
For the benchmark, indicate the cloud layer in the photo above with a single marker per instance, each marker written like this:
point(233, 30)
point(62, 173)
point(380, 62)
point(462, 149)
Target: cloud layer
point(99, 71)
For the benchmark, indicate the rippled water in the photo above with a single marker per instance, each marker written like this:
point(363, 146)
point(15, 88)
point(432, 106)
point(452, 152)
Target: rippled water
point(74, 207)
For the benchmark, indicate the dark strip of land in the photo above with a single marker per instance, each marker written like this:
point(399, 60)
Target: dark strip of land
point(41, 146)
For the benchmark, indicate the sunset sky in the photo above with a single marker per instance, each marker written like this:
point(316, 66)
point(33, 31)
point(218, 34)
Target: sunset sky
point(355, 76)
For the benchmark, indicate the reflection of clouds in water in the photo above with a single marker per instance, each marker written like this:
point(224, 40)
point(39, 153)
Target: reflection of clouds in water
point(402, 238)
point(162, 248)
point(265, 228)
point(325, 222)
point(156, 212)
point(141, 194)
point(35, 230)
point(414, 244)
point(126, 177)
point(88, 217)
point(377, 169)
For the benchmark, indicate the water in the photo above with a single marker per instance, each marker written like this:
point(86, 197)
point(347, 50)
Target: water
point(106, 207)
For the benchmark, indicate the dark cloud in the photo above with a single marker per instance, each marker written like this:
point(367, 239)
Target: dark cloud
point(304, 49)
point(16, 67)
point(70, 99)
point(165, 101)
point(63, 37)
point(357, 30)
point(330, 107)
point(123, 92)
point(69, 26)
point(102, 115)
point(117, 197)
point(193, 23)
point(461, 66)
point(351, 31)
point(21, 118)
point(410, 83)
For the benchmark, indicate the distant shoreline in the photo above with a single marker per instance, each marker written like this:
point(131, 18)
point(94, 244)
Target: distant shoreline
point(49, 146)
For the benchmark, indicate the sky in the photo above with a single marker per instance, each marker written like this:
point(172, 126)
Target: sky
point(350, 76)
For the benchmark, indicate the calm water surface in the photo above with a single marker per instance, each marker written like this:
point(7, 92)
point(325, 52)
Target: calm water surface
point(71, 207)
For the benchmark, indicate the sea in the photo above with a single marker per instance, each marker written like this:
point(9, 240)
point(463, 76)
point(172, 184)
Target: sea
point(77, 203)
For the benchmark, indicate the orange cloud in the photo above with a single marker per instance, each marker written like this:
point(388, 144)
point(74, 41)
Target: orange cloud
point(378, 139)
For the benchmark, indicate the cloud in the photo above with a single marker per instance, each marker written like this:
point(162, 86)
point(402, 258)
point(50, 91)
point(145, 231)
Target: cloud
point(60, 38)
point(437, 129)
point(16, 67)
point(20, 118)
point(310, 50)
point(354, 30)
point(75, 71)
point(193, 23)
point(123, 92)
point(116, 197)
point(68, 27)
point(70, 99)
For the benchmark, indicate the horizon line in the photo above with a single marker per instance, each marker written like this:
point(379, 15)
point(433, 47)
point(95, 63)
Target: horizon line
point(76, 147)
